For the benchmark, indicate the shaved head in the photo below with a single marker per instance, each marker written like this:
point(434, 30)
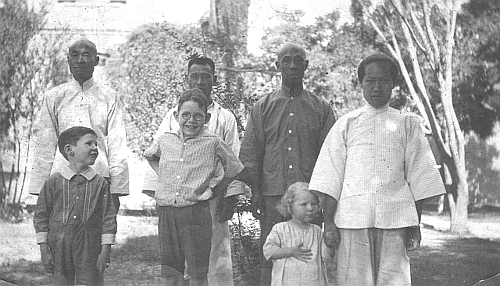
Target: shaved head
point(291, 47)
point(84, 43)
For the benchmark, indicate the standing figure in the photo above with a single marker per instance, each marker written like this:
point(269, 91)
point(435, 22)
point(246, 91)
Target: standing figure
point(75, 218)
point(81, 102)
point(283, 137)
point(201, 75)
point(296, 246)
point(186, 161)
point(375, 170)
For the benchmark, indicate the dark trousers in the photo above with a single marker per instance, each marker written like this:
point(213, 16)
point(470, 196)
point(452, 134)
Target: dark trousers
point(185, 235)
point(75, 252)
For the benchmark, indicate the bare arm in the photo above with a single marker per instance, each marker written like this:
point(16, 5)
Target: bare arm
point(332, 235)
point(413, 237)
point(104, 258)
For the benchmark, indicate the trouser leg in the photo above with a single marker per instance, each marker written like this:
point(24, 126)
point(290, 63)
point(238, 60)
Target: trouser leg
point(372, 257)
point(195, 232)
point(220, 270)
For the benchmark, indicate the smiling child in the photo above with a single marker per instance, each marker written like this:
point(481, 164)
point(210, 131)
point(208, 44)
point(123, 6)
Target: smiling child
point(187, 162)
point(75, 218)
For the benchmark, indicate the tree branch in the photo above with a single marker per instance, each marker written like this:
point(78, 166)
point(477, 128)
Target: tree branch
point(398, 9)
point(431, 36)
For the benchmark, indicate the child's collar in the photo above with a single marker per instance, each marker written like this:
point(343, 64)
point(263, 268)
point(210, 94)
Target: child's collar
point(179, 133)
point(67, 173)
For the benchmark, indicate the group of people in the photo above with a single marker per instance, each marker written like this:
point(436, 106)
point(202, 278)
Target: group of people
point(350, 189)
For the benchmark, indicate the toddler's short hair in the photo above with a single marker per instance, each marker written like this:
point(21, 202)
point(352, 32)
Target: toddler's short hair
point(285, 205)
point(195, 95)
point(71, 136)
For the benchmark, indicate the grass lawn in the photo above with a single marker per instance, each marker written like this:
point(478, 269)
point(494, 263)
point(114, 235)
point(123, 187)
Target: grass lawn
point(443, 259)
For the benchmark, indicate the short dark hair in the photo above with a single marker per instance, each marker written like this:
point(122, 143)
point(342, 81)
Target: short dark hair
point(380, 58)
point(201, 61)
point(85, 42)
point(71, 136)
point(196, 95)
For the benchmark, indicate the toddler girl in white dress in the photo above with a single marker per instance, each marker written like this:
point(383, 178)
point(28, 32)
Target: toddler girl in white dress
point(296, 246)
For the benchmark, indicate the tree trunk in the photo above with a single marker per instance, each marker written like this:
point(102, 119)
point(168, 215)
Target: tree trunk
point(438, 56)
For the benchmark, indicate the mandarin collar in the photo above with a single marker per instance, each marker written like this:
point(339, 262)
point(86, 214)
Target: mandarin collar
point(67, 173)
point(86, 85)
point(285, 91)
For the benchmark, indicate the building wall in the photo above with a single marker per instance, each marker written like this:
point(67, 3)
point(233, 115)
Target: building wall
point(109, 22)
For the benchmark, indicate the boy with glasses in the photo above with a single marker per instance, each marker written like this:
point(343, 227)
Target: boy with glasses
point(187, 162)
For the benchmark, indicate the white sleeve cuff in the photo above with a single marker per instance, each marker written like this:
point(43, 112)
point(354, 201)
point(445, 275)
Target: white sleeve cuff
point(41, 237)
point(108, 238)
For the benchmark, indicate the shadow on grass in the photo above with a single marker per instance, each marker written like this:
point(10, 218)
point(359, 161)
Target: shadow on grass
point(136, 262)
point(24, 272)
point(455, 262)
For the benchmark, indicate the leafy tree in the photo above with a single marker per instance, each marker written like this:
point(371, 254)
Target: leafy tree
point(333, 54)
point(476, 91)
point(477, 72)
point(149, 71)
point(32, 61)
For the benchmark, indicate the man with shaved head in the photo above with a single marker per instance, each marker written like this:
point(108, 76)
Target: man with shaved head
point(283, 137)
point(81, 102)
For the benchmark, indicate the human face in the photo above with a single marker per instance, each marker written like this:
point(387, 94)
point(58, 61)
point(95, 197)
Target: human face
point(201, 77)
point(292, 64)
point(187, 114)
point(377, 84)
point(85, 152)
point(82, 60)
point(304, 207)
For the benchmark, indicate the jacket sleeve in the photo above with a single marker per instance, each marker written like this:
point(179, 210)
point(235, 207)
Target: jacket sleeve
point(230, 163)
point(43, 211)
point(150, 177)
point(108, 224)
point(422, 173)
point(329, 121)
point(117, 147)
point(328, 173)
point(42, 146)
point(252, 150)
point(232, 139)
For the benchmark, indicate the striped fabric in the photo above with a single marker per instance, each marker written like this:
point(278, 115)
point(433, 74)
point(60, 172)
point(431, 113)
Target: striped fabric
point(69, 199)
point(188, 165)
point(222, 123)
point(376, 163)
